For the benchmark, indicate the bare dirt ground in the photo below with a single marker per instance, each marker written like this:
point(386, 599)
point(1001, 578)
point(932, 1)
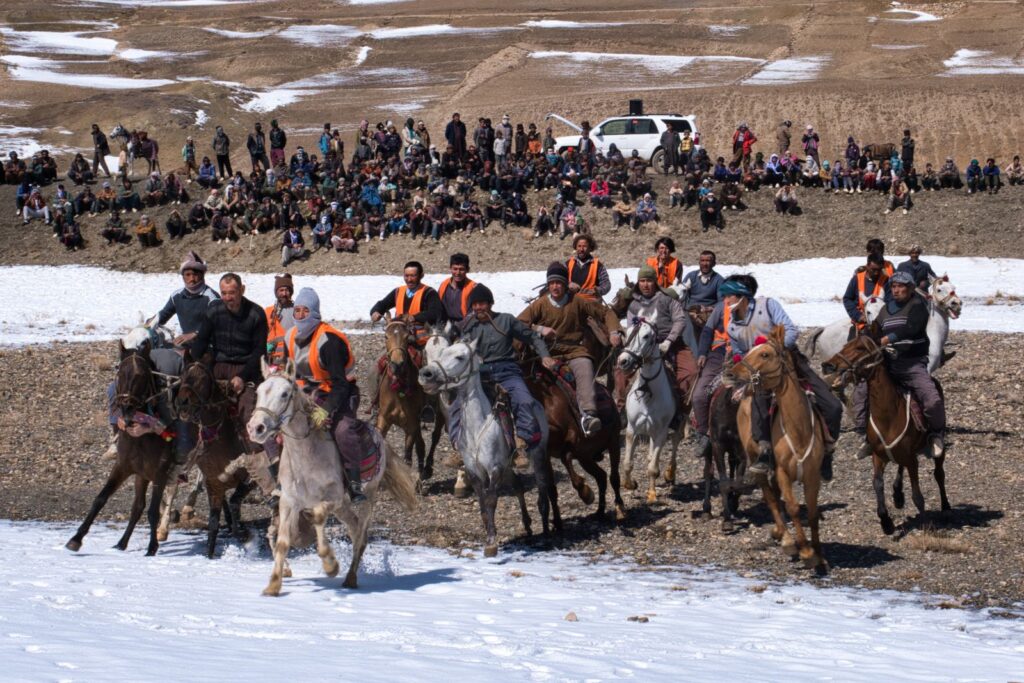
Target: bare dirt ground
point(52, 431)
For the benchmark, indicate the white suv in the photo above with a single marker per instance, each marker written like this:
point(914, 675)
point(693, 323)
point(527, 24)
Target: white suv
point(628, 133)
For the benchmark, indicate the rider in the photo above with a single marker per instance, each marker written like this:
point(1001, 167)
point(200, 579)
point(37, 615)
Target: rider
point(920, 270)
point(494, 334)
point(700, 290)
point(877, 246)
point(455, 290)
point(324, 368)
point(869, 281)
point(673, 330)
point(903, 323)
point(191, 301)
point(747, 320)
point(235, 329)
point(562, 317)
point(587, 275)
point(280, 318)
point(668, 268)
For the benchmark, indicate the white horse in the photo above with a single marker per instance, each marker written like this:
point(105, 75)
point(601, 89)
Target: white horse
point(650, 404)
point(486, 453)
point(943, 304)
point(311, 478)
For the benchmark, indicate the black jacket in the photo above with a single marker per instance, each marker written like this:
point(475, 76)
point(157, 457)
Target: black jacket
point(237, 338)
point(906, 323)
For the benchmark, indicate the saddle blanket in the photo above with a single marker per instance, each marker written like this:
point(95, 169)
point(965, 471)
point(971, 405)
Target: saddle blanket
point(501, 409)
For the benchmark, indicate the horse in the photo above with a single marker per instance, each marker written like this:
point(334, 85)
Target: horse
point(798, 441)
point(402, 399)
point(892, 432)
point(880, 151)
point(567, 442)
point(727, 454)
point(204, 402)
point(481, 439)
point(311, 476)
point(129, 145)
point(650, 404)
point(148, 457)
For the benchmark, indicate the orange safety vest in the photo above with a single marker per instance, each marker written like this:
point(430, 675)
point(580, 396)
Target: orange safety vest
point(465, 293)
point(590, 282)
point(318, 374)
point(275, 337)
point(879, 288)
point(721, 339)
point(666, 275)
point(414, 305)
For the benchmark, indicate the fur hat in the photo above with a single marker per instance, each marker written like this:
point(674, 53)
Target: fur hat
point(193, 262)
point(558, 272)
point(284, 281)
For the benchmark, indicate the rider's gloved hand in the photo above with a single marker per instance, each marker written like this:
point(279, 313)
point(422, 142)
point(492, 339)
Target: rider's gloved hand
point(664, 346)
point(319, 417)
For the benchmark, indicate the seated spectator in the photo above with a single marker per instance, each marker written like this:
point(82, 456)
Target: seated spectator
point(646, 211)
point(127, 197)
point(175, 189)
point(35, 207)
point(544, 223)
point(949, 175)
point(468, 216)
point(197, 217)
point(292, 246)
point(600, 193)
point(440, 222)
point(176, 225)
point(115, 231)
point(62, 200)
point(15, 170)
point(899, 196)
point(207, 174)
point(86, 202)
point(711, 212)
point(146, 232)
point(568, 220)
point(155, 189)
point(343, 237)
point(222, 228)
point(773, 171)
point(21, 196)
point(80, 173)
point(883, 181)
point(518, 211)
point(930, 179)
point(495, 209)
point(44, 167)
point(321, 233)
point(214, 202)
point(785, 200)
point(623, 212)
point(990, 176)
point(975, 179)
point(106, 198)
point(676, 196)
point(732, 196)
point(67, 231)
point(1015, 172)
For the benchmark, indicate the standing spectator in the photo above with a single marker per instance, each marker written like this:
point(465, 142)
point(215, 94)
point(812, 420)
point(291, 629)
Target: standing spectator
point(810, 142)
point(785, 200)
point(784, 137)
point(743, 140)
point(278, 140)
point(852, 152)
point(685, 149)
point(455, 135)
point(500, 148)
point(222, 149)
point(257, 146)
point(670, 142)
point(711, 212)
point(188, 156)
point(100, 150)
point(907, 149)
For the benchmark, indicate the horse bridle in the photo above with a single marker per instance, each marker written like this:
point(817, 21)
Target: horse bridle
point(129, 400)
point(869, 361)
point(756, 376)
point(202, 405)
point(278, 421)
point(457, 381)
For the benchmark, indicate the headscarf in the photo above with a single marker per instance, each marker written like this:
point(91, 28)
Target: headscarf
point(734, 288)
point(304, 328)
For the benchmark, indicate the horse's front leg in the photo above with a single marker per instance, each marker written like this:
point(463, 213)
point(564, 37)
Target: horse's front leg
point(138, 505)
point(627, 461)
point(113, 483)
point(154, 510)
point(281, 546)
point(586, 494)
point(654, 468)
point(323, 546)
point(878, 482)
point(167, 509)
point(670, 471)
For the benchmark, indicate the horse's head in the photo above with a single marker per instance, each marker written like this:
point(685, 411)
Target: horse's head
point(397, 337)
point(275, 401)
point(944, 295)
point(873, 305)
point(856, 361)
point(623, 297)
point(197, 390)
point(764, 365)
point(641, 344)
point(451, 369)
point(135, 385)
point(437, 341)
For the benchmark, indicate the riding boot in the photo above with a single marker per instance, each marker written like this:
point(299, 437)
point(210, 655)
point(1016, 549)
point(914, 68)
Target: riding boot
point(703, 446)
point(355, 484)
point(590, 423)
point(826, 464)
point(865, 449)
point(936, 446)
point(520, 461)
point(111, 452)
point(759, 469)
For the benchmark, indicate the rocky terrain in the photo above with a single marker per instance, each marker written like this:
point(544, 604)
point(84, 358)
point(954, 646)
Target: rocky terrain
point(52, 432)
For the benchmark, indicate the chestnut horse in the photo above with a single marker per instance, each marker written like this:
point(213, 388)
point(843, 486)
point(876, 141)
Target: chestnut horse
point(892, 433)
point(148, 457)
point(402, 399)
point(798, 441)
point(203, 401)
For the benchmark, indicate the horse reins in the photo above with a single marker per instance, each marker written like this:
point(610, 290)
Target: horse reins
point(278, 421)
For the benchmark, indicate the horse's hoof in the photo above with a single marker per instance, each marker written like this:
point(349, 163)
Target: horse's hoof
point(652, 497)
point(73, 545)
point(272, 591)
point(350, 581)
point(331, 570)
point(629, 484)
point(777, 535)
point(898, 500)
point(149, 553)
point(491, 550)
point(727, 526)
point(211, 555)
point(821, 569)
point(791, 550)
point(587, 495)
point(887, 526)
point(187, 513)
point(620, 513)
point(670, 476)
point(287, 572)
point(427, 474)
point(121, 546)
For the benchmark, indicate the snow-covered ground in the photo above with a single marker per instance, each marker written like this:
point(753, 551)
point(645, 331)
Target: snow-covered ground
point(422, 614)
point(79, 303)
point(789, 70)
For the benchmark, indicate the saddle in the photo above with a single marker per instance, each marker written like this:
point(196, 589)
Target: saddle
point(501, 409)
point(916, 411)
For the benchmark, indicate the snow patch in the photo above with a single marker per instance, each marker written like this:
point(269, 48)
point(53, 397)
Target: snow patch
point(897, 47)
point(84, 303)
point(563, 24)
point(361, 56)
point(790, 70)
point(40, 70)
point(431, 30)
point(981, 63)
point(201, 118)
point(323, 35)
point(422, 614)
point(727, 30)
point(661, 64)
point(915, 16)
point(57, 42)
point(241, 34)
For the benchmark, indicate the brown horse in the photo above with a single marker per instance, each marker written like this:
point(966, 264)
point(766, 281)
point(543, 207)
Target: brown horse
point(880, 151)
point(204, 401)
point(402, 399)
point(798, 441)
point(148, 457)
point(892, 432)
point(727, 455)
point(567, 442)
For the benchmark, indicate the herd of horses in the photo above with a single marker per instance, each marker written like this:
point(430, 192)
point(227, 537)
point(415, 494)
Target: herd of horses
point(310, 481)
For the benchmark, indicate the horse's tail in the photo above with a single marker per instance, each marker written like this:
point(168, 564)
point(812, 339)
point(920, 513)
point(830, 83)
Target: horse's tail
point(398, 481)
point(810, 344)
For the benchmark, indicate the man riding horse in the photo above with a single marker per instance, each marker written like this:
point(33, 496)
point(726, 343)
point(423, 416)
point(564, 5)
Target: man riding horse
point(280, 318)
point(324, 369)
point(903, 323)
point(494, 334)
point(743, 320)
point(455, 290)
point(871, 281)
point(674, 334)
point(700, 290)
point(566, 320)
